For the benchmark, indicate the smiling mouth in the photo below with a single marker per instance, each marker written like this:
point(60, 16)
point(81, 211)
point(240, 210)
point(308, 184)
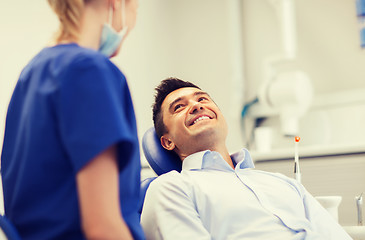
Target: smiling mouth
point(200, 119)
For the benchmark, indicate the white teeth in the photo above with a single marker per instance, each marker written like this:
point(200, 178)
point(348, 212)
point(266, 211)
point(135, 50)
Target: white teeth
point(199, 119)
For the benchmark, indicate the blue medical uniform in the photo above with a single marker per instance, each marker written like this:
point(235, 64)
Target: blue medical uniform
point(70, 104)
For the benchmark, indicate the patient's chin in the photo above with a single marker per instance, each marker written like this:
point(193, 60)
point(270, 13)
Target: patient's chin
point(207, 133)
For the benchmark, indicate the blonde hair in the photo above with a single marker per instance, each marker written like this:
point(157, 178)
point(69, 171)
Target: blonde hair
point(69, 13)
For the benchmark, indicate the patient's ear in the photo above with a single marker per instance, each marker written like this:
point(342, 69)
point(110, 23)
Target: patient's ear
point(167, 143)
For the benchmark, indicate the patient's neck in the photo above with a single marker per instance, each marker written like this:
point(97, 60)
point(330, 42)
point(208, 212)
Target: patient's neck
point(226, 156)
point(221, 149)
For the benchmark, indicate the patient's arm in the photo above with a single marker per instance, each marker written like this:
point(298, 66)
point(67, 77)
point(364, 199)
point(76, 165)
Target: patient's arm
point(169, 211)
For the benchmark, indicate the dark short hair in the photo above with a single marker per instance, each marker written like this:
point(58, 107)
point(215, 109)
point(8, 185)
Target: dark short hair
point(165, 88)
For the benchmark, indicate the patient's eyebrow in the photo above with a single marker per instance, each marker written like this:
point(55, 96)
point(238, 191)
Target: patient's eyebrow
point(174, 102)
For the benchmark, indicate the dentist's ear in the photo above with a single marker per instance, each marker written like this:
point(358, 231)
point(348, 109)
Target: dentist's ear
point(167, 143)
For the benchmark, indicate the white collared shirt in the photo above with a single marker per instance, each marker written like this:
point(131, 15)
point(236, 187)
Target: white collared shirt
point(210, 200)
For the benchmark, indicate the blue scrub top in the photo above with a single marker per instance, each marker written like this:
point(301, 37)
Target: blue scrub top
point(70, 104)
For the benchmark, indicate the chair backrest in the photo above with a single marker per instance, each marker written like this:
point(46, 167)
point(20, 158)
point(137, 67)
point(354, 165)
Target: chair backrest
point(144, 185)
point(160, 159)
point(8, 229)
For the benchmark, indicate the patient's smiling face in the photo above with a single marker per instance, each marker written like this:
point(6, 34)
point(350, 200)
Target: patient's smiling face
point(193, 121)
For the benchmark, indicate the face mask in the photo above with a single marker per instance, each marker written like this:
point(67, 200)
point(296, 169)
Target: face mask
point(110, 39)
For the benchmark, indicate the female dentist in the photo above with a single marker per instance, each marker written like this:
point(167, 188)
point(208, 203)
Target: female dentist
point(70, 160)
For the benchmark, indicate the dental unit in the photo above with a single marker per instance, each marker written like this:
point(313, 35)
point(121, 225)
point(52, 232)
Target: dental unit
point(297, 173)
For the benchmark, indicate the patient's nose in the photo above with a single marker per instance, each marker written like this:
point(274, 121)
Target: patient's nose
point(196, 107)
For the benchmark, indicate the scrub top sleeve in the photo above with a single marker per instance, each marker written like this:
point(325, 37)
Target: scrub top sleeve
point(94, 107)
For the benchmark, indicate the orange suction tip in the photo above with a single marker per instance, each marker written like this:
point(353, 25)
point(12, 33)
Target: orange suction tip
point(297, 139)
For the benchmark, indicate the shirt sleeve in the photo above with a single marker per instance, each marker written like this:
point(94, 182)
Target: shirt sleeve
point(168, 211)
point(93, 109)
point(321, 220)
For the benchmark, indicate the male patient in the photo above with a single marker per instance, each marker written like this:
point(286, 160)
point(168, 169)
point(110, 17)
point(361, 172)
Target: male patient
point(218, 195)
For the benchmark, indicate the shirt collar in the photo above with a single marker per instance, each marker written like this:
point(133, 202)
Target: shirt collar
point(213, 160)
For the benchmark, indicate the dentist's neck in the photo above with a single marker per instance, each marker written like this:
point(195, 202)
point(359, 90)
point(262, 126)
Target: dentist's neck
point(91, 25)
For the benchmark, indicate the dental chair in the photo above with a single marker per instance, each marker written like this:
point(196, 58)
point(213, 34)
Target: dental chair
point(160, 160)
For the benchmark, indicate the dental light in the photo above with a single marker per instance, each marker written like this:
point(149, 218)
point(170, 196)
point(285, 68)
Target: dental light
point(289, 95)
